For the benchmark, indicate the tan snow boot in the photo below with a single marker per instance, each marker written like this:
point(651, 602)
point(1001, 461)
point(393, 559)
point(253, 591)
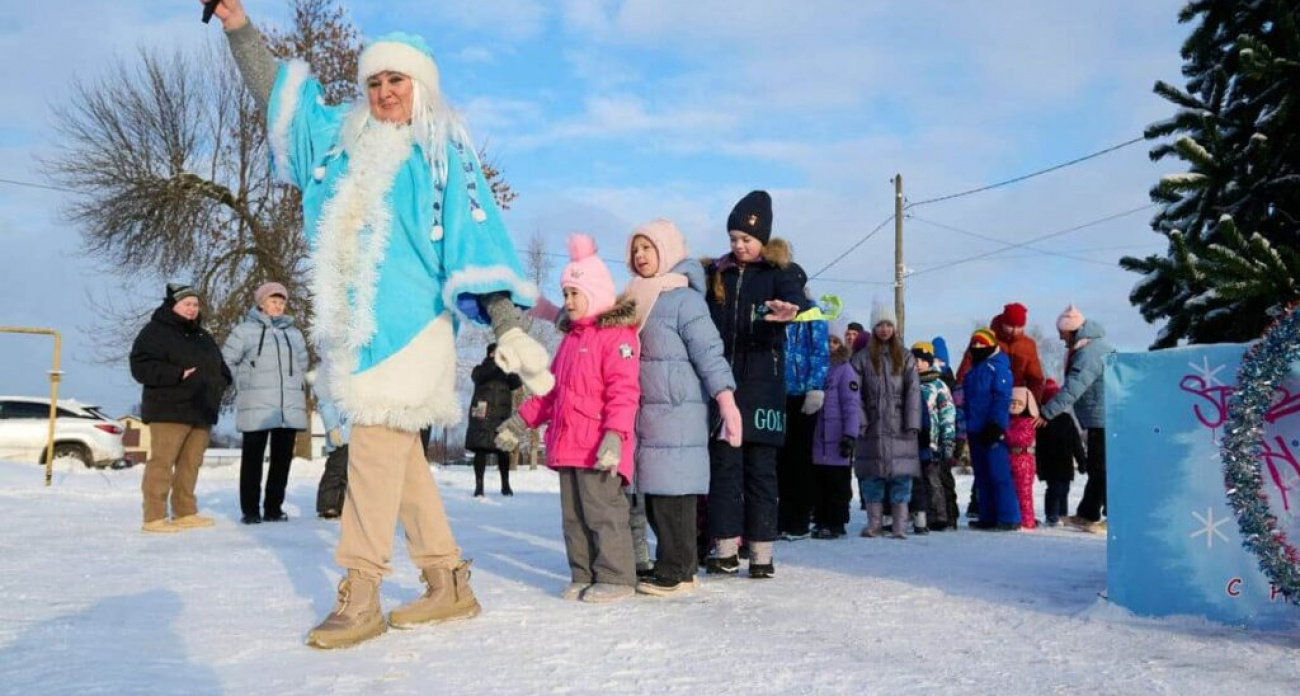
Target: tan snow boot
point(900, 521)
point(447, 597)
point(161, 526)
point(193, 522)
point(356, 617)
point(875, 511)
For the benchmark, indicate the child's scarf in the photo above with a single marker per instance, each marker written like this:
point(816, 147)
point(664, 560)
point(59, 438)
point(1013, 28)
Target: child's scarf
point(670, 244)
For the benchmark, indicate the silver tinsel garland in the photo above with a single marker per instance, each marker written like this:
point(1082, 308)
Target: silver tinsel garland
point(1265, 366)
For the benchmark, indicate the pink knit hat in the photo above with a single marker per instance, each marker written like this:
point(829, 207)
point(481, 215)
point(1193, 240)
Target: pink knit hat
point(588, 275)
point(267, 290)
point(1070, 320)
point(667, 240)
point(1023, 394)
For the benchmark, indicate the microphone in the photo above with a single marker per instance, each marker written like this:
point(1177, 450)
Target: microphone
point(208, 8)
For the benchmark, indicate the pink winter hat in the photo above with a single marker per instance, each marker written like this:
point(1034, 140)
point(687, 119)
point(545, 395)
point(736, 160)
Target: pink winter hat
point(667, 240)
point(587, 274)
point(1070, 320)
point(1023, 394)
point(269, 290)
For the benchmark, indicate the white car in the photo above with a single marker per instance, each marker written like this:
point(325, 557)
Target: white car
point(80, 431)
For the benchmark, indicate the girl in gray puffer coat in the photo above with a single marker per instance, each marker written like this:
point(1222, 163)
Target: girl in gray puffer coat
point(268, 357)
point(886, 454)
point(682, 368)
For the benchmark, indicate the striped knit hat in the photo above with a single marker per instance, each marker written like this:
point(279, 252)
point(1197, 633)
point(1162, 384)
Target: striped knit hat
point(983, 338)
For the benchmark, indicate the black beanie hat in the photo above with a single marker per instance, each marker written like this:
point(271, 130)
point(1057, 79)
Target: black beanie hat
point(179, 291)
point(753, 216)
point(855, 326)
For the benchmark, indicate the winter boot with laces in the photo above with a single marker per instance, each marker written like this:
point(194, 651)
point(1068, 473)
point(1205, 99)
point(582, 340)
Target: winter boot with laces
point(356, 617)
point(447, 597)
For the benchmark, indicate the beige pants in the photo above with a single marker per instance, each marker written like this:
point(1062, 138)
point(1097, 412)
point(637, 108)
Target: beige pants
point(388, 479)
point(173, 469)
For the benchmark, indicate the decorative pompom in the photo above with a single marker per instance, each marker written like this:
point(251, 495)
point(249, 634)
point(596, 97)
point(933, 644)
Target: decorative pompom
point(479, 215)
point(436, 233)
point(581, 246)
point(318, 173)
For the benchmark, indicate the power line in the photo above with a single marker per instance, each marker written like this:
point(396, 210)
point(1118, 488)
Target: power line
point(1004, 242)
point(1039, 254)
point(1049, 235)
point(1031, 175)
point(28, 184)
point(848, 251)
point(981, 189)
point(890, 283)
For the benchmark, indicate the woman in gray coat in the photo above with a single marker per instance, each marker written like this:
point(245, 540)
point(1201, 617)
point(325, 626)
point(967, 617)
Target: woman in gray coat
point(268, 357)
point(682, 370)
point(887, 450)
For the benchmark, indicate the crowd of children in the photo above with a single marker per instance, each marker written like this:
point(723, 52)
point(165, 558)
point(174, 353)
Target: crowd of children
point(710, 400)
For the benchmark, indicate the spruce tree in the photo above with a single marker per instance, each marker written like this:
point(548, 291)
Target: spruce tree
point(1236, 132)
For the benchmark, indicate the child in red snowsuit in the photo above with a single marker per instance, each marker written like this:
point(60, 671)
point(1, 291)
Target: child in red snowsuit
point(1021, 436)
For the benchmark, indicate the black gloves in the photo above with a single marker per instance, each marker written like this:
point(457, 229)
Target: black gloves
point(992, 434)
point(846, 446)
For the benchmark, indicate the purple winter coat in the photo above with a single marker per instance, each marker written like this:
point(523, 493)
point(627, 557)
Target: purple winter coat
point(841, 415)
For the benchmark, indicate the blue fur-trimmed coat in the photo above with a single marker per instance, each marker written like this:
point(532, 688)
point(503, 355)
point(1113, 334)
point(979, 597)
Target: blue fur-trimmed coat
point(402, 251)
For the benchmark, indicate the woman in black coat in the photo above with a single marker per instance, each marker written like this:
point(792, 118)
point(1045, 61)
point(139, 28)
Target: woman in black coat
point(184, 378)
point(488, 409)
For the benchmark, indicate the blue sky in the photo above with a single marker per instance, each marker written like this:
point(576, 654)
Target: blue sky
point(606, 114)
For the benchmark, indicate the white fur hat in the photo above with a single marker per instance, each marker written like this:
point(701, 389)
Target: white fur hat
point(399, 52)
point(883, 312)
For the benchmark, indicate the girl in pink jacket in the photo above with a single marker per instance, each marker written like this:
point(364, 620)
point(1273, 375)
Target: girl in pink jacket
point(591, 414)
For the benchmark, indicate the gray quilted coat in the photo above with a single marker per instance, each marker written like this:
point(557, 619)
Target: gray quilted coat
point(682, 368)
point(268, 358)
point(891, 417)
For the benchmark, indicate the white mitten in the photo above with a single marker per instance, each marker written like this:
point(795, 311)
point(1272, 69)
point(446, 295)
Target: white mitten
point(610, 452)
point(812, 402)
point(521, 354)
point(511, 433)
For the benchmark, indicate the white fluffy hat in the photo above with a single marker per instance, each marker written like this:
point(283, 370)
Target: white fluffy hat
point(881, 311)
point(399, 52)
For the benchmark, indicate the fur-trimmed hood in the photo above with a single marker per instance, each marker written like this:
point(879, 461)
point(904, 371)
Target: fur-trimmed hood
point(622, 314)
point(776, 252)
point(841, 354)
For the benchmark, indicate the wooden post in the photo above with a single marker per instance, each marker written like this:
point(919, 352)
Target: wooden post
point(55, 376)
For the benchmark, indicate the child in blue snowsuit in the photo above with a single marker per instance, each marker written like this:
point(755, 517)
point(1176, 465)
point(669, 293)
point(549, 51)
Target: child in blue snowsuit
point(987, 391)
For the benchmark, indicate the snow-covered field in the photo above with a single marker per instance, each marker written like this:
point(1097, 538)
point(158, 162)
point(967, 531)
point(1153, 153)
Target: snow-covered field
point(90, 605)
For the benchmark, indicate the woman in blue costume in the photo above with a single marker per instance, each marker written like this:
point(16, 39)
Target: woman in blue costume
point(406, 243)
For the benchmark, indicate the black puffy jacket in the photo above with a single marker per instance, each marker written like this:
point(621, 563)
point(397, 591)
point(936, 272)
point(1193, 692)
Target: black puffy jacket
point(167, 346)
point(490, 406)
point(753, 346)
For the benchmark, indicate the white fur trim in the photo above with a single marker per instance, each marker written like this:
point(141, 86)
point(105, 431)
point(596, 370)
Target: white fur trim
point(345, 275)
point(397, 57)
point(414, 388)
point(482, 275)
point(296, 73)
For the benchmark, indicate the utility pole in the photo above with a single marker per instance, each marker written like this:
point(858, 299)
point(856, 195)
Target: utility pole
point(898, 252)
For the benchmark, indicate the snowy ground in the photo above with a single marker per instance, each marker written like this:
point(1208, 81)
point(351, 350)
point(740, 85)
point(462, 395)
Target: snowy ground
point(90, 605)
